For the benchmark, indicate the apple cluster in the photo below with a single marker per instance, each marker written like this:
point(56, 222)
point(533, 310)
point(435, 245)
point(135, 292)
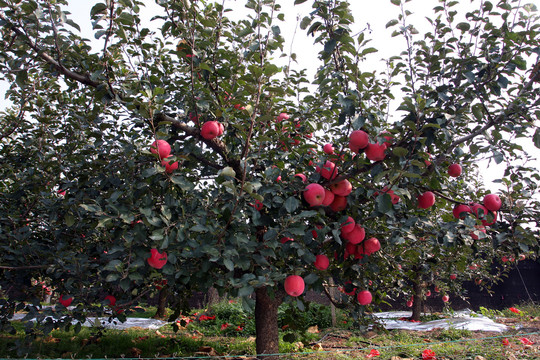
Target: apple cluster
point(163, 150)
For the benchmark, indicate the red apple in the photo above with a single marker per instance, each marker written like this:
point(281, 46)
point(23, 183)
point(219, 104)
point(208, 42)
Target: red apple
point(157, 260)
point(356, 236)
point(426, 200)
point(409, 303)
point(342, 188)
point(375, 152)
point(454, 170)
point(364, 297)
point(282, 116)
point(371, 245)
point(210, 130)
point(348, 225)
point(322, 262)
point(491, 215)
point(348, 285)
point(428, 293)
point(111, 299)
point(329, 170)
point(301, 176)
point(453, 276)
point(161, 147)
point(479, 211)
point(358, 140)
point(294, 285)
point(445, 298)
point(328, 197)
point(504, 259)
point(65, 300)
point(314, 194)
point(460, 211)
point(522, 257)
point(285, 239)
point(328, 149)
point(169, 166)
point(492, 202)
point(339, 203)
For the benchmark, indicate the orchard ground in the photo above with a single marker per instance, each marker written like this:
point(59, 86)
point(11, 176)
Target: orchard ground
point(225, 330)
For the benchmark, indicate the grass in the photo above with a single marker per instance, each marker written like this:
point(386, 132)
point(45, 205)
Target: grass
point(203, 334)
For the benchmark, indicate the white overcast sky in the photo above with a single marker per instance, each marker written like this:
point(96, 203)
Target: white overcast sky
point(372, 13)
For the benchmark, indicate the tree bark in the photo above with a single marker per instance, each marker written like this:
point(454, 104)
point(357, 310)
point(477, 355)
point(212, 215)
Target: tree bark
point(161, 311)
point(418, 300)
point(266, 323)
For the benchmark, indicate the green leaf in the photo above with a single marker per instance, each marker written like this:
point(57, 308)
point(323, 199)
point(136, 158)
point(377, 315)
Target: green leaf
point(399, 151)
point(245, 291)
point(98, 8)
point(330, 46)
point(464, 26)
point(391, 23)
point(383, 203)
point(228, 264)
point(396, 2)
point(182, 182)
point(536, 138)
point(297, 2)
point(291, 204)
point(305, 22)
point(478, 111)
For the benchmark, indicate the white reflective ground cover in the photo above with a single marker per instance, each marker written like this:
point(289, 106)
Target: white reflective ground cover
point(464, 320)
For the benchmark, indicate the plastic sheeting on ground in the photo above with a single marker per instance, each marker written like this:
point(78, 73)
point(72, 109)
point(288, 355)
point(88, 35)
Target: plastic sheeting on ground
point(463, 320)
point(143, 323)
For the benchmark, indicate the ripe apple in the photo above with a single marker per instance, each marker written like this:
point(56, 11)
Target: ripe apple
point(522, 257)
point(210, 130)
point(111, 299)
point(285, 239)
point(339, 203)
point(348, 225)
point(445, 298)
point(492, 202)
point(65, 300)
point(328, 149)
point(314, 194)
point(371, 245)
point(460, 211)
point(389, 138)
point(454, 170)
point(409, 303)
point(453, 276)
point(282, 116)
point(364, 297)
point(342, 188)
point(294, 285)
point(301, 176)
point(490, 219)
point(426, 200)
point(348, 286)
point(479, 211)
point(358, 140)
point(328, 197)
point(221, 129)
point(356, 236)
point(157, 260)
point(329, 170)
point(375, 152)
point(169, 166)
point(428, 293)
point(322, 262)
point(504, 259)
point(161, 147)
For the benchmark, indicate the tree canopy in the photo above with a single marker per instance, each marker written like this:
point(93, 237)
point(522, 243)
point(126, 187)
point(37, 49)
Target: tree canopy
point(90, 203)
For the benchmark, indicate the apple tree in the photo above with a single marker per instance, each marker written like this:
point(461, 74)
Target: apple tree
point(181, 151)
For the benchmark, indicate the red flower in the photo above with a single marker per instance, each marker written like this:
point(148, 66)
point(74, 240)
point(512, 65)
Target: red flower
point(224, 326)
point(157, 260)
point(514, 310)
point(526, 341)
point(373, 353)
point(505, 342)
point(428, 354)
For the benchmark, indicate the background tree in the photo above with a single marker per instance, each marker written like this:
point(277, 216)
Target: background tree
point(233, 214)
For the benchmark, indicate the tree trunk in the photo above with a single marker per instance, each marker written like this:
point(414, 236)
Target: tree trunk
point(418, 301)
point(266, 323)
point(161, 311)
